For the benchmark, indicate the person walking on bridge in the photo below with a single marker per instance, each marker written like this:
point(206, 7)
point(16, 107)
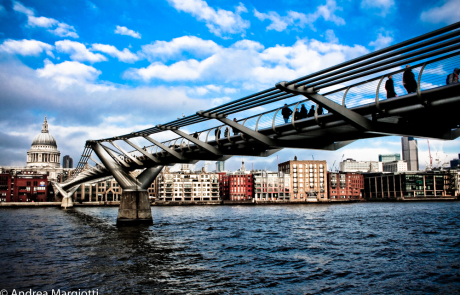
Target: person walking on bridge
point(286, 112)
point(453, 78)
point(235, 131)
point(297, 115)
point(311, 112)
point(320, 110)
point(303, 112)
point(409, 80)
point(390, 87)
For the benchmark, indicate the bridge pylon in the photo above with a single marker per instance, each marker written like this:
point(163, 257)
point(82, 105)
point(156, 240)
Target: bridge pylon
point(134, 202)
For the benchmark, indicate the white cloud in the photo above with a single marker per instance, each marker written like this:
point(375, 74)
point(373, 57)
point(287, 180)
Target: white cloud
point(278, 23)
point(248, 62)
point(448, 13)
point(211, 88)
point(297, 19)
point(190, 44)
point(68, 73)
point(330, 36)
point(54, 27)
point(17, 6)
point(218, 21)
point(26, 47)
point(41, 21)
point(125, 31)
point(384, 39)
point(78, 51)
point(124, 56)
point(381, 7)
point(64, 30)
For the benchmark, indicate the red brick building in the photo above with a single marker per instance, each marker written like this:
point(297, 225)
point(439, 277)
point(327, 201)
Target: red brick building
point(236, 186)
point(240, 186)
point(345, 186)
point(23, 187)
point(223, 186)
point(5, 187)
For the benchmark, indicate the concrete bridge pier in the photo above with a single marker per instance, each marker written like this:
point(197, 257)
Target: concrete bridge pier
point(67, 201)
point(134, 208)
point(134, 201)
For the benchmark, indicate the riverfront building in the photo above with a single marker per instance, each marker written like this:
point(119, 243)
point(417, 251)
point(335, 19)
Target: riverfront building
point(408, 185)
point(345, 186)
point(410, 152)
point(308, 179)
point(350, 165)
point(237, 186)
point(186, 186)
point(23, 187)
point(389, 158)
point(271, 186)
point(106, 190)
point(394, 166)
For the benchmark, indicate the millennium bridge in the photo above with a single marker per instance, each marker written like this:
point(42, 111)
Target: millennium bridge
point(352, 95)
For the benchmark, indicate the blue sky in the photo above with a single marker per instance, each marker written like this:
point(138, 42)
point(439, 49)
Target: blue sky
point(102, 68)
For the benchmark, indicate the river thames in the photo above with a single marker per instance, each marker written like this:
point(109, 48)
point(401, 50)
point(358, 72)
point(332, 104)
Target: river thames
point(365, 248)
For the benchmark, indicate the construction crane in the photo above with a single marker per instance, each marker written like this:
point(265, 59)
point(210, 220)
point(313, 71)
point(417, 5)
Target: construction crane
point(333, 165)
point(429, 154)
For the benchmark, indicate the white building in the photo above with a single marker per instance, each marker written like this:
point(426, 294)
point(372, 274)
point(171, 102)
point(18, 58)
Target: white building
point(271, 186)
point(186, 186)
point(350, 165)
point(43, 156)
point(395, 166)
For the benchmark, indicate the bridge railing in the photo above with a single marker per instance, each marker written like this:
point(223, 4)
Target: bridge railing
point(361, 93)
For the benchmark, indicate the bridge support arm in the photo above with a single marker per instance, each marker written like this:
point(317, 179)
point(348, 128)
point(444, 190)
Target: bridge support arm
point(168, 150)
point(251, 133)
point(151, 157)
point(66, 196)
point(114, 156)
point(148, 176)
point(125, 180)
point(126, 153)
point(349, 116)
point(196, 141)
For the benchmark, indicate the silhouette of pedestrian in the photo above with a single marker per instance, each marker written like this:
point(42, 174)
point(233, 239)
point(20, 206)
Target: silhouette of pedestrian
point(297, 114)
point(320, 110)
point(311, 112)
point(195, 135)
point(286, 112)
point(453, 78)
point(226, 132)
point(235, 131)
point(217, 133)
point(409, 80)
point(390, 87)
point(303, 112)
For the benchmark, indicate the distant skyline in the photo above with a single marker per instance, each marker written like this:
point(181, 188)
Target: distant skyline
point(102, 68)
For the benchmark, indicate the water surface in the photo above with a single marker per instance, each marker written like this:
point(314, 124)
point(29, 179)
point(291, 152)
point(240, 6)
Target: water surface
point(368, 248)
